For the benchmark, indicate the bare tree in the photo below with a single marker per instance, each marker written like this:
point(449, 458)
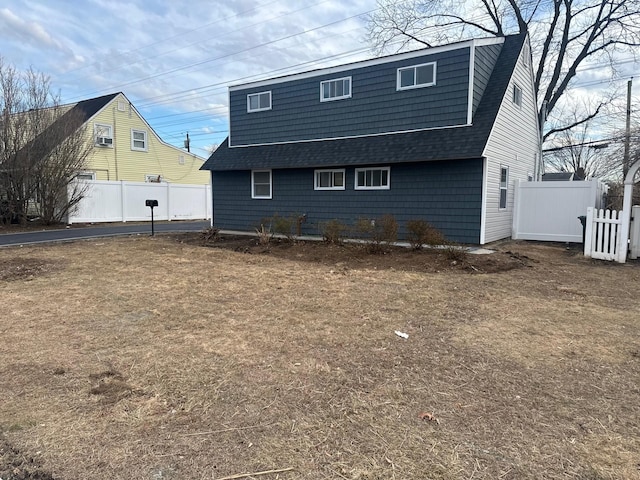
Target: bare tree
point(42, 147)
point(565, 34)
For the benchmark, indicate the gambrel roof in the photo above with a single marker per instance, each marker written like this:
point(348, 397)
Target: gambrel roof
point(452, 143)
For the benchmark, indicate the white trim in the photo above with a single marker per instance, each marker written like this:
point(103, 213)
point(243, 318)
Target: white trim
point(262, 197)
point(146, 140)
point(472, 72)
point(316, 185)
point(483, 208)
point(330, 99)
point(364, 169)
point(367, 63)
point(366, 135)
point(399, 87)
point(86, 173)
point(258, 94)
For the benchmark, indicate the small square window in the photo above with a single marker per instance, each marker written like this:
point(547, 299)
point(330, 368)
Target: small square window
point(372, 178)
point(139, 140)
point(329, 179)
point(417, 76)
point(335, 89)
point(517, 95)
point(261, 184)
point(257, 102)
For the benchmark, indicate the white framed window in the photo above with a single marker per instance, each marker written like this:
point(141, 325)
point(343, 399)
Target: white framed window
point(335, 89)
point(261, 184)
point(329, 179)
point(504, 186)
point(180, 159)
point(372, 178)
point(257, 102)
point(153, 178)
point(517, 95)
point(103, 134)
point(139, 140)
point(417, 76)
point(86, 176)
point(122, 106)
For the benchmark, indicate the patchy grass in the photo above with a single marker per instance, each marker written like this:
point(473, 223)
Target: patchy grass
point(147, 358)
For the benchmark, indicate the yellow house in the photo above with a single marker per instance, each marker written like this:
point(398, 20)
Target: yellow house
point(127, 148)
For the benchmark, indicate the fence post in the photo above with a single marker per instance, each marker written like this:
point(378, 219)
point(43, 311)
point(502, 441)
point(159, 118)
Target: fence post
point(588, 234)
point(123, 198)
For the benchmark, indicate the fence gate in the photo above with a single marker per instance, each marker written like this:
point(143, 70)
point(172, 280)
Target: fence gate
point(603, 234)
point(634, 242)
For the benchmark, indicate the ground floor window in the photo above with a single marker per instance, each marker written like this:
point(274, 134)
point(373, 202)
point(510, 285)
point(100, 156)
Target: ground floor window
point(86, 176)
point(372, 178)
point(504, 183)
point(261, 184)
point(329, 179)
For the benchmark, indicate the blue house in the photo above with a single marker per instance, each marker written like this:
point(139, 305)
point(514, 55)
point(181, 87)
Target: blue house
point(440, 134)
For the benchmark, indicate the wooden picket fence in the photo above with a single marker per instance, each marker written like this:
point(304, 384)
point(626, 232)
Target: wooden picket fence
point(603, 233)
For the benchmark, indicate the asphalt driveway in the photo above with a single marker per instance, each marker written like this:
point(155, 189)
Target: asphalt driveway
point(95, 231)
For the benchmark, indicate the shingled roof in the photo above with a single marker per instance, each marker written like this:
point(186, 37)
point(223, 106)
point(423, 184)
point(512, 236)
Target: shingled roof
point(422, 146)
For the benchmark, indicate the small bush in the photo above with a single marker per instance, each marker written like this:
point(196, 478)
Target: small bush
point(283, 226)
point(379, 233)
point(454, 252)
point(420, 232)
point(209, 235)
point(333, 231)
point(264, 235)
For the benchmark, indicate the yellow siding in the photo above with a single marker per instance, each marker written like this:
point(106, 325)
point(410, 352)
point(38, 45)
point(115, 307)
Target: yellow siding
point(120, 162)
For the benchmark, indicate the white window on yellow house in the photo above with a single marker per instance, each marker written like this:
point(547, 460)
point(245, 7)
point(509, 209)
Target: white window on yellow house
point(153, 178)
point(86, 176)
point(139, 140)
point(103, 134)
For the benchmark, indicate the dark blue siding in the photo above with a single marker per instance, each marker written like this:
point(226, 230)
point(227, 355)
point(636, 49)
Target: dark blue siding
point(374, 107)
point(446, 194)
point(485, 59)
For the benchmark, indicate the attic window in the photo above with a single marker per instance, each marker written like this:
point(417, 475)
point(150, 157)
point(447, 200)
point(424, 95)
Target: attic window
point(526, 54)
point(335, 89)
point(257, 102)
point(417, 76)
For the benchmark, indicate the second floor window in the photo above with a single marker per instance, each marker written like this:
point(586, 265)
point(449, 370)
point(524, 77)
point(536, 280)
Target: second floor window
point(335, 89)
point(103, 134)
point(256, 102)
point(517, 95)
point(139, 140)
point(417, 76)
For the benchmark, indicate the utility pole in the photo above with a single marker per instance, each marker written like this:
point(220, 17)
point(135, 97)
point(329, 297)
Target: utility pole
point(627, 135)
point(187, 143)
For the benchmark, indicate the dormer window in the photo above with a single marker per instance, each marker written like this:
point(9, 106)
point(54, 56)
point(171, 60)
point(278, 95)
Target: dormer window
point(257, 102)
point(417, 76)
point(103, 134)
point(335, 89)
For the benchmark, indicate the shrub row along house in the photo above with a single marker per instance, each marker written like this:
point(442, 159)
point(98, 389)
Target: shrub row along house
point(440, 134)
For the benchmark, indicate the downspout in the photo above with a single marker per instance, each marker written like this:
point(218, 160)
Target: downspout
point(115, 143)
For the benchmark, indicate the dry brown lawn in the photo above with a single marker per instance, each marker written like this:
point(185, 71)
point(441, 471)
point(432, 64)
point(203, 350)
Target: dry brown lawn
point(151, 358)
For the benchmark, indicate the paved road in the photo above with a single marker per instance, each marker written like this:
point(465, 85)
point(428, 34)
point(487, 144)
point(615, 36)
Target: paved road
point(111, 230)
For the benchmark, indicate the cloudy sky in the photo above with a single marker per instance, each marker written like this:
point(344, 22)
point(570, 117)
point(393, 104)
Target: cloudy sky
point(174, 60)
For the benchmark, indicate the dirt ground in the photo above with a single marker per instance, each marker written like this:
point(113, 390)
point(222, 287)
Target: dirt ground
point(164, 358)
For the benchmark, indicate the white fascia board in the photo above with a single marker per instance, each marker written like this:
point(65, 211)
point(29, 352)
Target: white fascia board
point(366, 63)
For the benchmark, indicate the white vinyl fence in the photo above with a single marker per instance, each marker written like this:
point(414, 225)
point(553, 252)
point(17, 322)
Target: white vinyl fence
point(549, 211)
point(634, 244)
point(108, 201)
